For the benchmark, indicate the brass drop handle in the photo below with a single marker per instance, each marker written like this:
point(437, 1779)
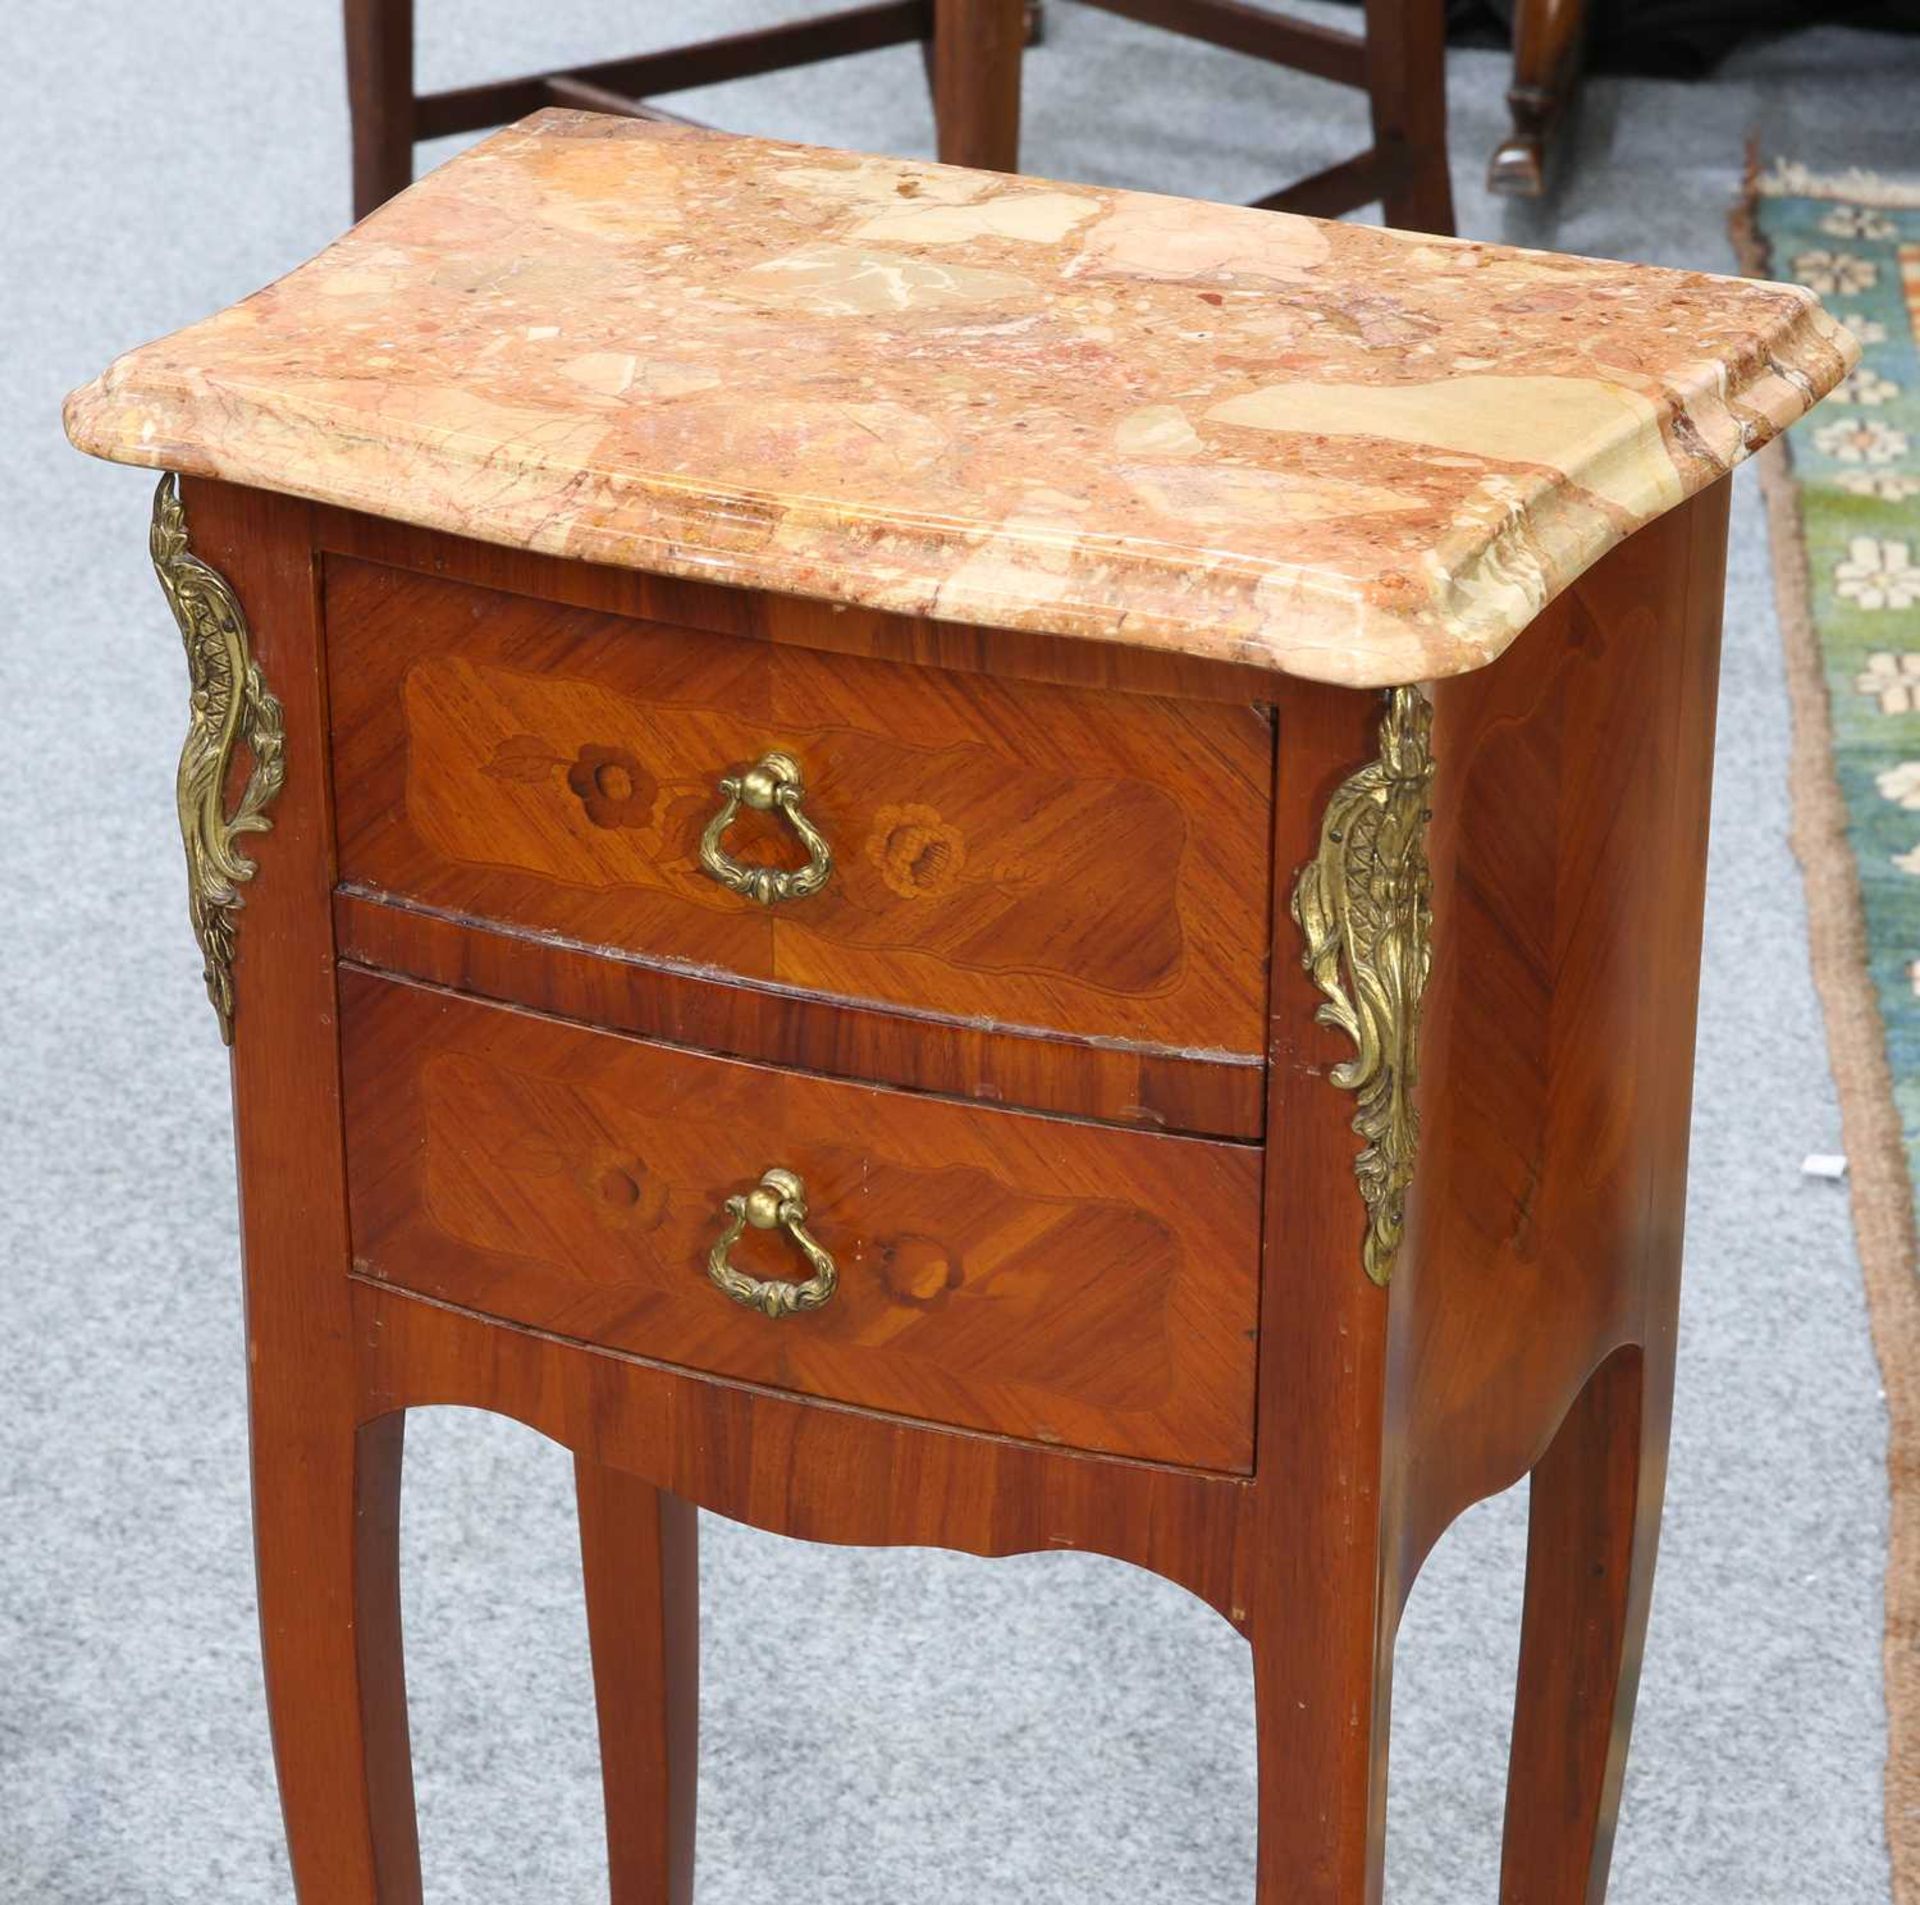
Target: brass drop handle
point(773, 781)
point(778, 1200)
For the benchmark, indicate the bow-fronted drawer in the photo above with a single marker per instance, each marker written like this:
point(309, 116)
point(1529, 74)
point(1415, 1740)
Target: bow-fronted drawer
point(990, 1270)
point(1064, 860)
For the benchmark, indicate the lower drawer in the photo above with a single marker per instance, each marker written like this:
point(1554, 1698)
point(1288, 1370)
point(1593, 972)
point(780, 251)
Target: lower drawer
point(992, 1270)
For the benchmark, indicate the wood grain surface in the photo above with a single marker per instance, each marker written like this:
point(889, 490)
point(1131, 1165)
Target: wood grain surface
point(799, 1468)
point(1067, 1283)
point(1537, 1328)
point(640, 1560)
point(1214, 1095)
point(1029, 855)
point(795, 621)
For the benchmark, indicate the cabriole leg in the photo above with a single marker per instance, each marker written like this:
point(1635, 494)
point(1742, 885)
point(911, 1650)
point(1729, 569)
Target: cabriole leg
point(641, 1555)
point(327, 1534)
point(1593, 1530)
point(1322, 1699)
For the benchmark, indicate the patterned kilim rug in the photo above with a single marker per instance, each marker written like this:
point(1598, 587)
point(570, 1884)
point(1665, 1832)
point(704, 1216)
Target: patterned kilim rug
point(1843, 500)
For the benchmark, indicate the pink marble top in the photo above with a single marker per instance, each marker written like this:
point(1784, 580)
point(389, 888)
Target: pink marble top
point(1360, 455)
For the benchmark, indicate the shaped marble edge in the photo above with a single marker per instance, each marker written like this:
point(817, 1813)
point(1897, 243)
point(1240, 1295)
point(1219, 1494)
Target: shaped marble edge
point(1359, 528)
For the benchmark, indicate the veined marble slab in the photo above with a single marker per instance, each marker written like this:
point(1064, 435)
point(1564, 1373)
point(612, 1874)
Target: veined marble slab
point(1364, 456)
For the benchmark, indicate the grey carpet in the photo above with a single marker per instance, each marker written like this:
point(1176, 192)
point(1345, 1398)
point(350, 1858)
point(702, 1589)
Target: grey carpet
point(917, 1729)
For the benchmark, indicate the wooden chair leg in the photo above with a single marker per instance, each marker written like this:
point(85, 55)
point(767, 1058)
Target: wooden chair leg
point(977, 49)
point(1549, 37)
point(1593, 1529)
point(326, 1531)
point(380, 99)
point(1407, 85)
point(641, 1553)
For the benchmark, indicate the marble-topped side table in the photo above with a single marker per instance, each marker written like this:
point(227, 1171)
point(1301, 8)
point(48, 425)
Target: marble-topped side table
point(931, 858)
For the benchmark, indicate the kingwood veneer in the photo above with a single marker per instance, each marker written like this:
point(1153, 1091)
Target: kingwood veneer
point(854, 907)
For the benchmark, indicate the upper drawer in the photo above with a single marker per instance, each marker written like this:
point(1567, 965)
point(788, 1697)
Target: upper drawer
point(1056, 858)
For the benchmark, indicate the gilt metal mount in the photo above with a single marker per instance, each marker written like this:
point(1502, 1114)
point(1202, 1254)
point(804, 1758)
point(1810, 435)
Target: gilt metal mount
point(1364, 904)
point(230, 706)
point(777, 1202)
point(772, 784)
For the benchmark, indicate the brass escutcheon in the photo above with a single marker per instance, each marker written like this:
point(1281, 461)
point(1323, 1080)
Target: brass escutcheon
point(772, 782)
point(779, 1200)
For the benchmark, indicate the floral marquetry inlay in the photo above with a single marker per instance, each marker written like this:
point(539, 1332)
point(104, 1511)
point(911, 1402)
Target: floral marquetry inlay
point(915, 852)
point(613, 787)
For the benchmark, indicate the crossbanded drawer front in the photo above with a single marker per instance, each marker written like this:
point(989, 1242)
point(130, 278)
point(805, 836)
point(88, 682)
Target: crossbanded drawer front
point(1068, 860)
point(1032, 1277)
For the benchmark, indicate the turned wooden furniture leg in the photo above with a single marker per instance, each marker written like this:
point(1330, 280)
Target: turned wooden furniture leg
point(1592, 1535)
point(1407, 88)
point(641, 1555)
point(977, 47)
point(380, 99)
point(1548, 39)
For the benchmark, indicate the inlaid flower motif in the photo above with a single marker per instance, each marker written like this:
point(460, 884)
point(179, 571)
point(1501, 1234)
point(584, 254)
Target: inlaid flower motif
point(1908, 862)
point(917, 854)
point(918, 1271)
point(1856, 221)
point(1877, 573)
point(1890, 486)
point(1834, 272)
point(1892, 680)
point(1860, 440)
point(1900, 784)
point(612, 786)
point(1865, 386)
point(521, 757)
point(1866, 330)
point(620, 1191)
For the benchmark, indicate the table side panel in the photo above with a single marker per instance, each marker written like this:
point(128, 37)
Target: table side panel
point(1570, 847)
